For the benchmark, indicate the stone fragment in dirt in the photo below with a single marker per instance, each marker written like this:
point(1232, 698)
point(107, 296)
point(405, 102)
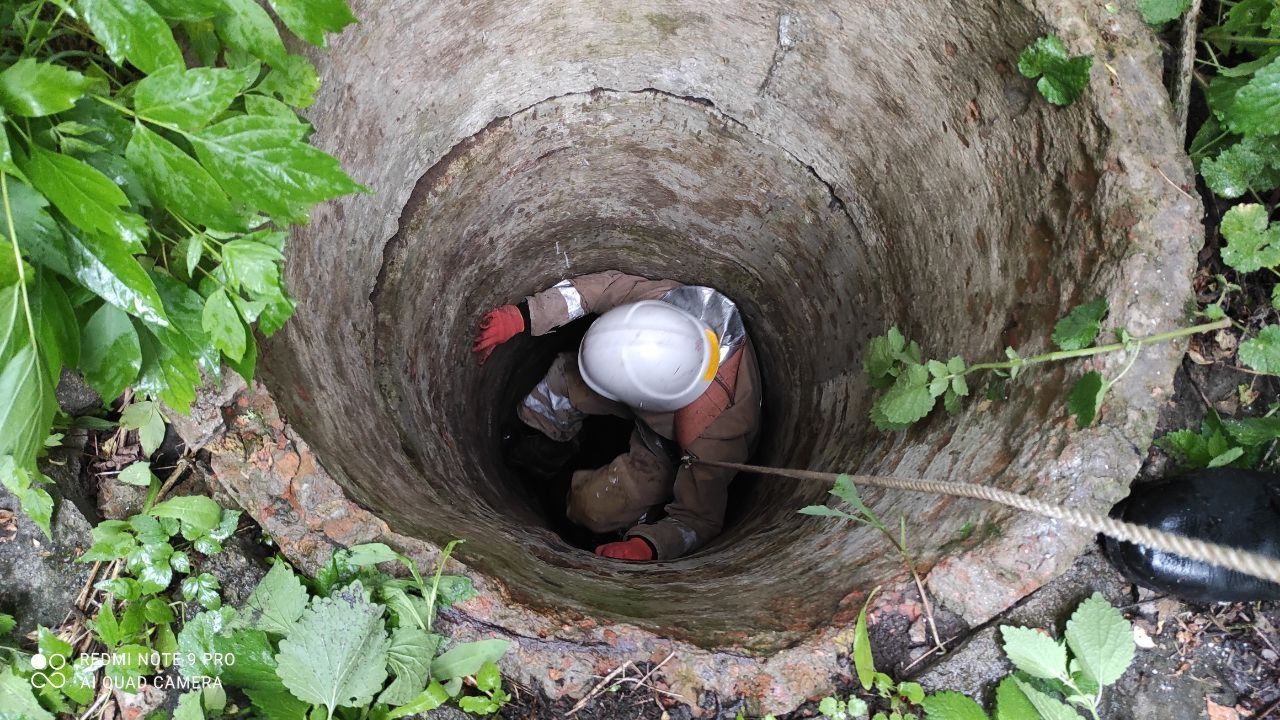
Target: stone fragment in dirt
point(8, 526)
point(119, 501)
point(140, 704)
point(204, 422)
point(42, 578)
point(239, 568)
point(1220, 712)
point(74, 395)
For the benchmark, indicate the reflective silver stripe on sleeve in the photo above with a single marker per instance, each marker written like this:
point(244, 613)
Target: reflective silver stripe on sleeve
point(572, 299)
point(555, 407)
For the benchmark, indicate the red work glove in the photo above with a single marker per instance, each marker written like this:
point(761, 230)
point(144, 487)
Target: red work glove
point(499, 325)
point(634, 549)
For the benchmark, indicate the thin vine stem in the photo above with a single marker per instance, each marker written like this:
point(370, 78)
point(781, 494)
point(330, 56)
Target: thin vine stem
point(17, 256)
point(1058, 355)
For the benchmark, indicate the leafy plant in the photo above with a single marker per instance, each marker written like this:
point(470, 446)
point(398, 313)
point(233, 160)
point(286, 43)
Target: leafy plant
point(1062, 76)
point(913, 385)
point(1159, 12)
point(352, 638)
point(1236, 148)
point(1048, 681)
point(151, 161)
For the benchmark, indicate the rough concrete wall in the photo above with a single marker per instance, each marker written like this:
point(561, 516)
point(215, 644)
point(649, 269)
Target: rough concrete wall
point(836, 167)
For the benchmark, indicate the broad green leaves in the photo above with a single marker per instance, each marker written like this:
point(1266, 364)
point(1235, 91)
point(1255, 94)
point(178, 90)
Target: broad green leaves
point(34, 89)
point(111, 356)
point(131, 30)
point(467, 659)
point(913, 384)
point(127, 173)
point(277, 602)
point(1262, 353)
point(952, 706)
point(338, 655)
point(311, 19)
point(1101, 640)
point(188, 99)
point(1252, 243)
point(1062, 77)
point(1035, 653)
point(1159, 12)
point(263, 162)
point(86, 197)
point(1086, 397)
point(1080, 327)
point(174, 179)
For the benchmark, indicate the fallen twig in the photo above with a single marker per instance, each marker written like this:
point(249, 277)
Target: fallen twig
point(598, 689)
point(1186, 65)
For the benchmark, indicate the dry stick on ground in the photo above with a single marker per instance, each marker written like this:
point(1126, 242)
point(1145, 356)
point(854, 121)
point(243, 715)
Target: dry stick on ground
point(598, 689)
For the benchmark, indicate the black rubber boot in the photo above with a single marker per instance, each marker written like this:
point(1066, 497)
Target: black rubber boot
point(1239, 508)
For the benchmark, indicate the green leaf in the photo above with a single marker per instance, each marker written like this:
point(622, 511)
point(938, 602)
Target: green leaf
point(27, 406)
point(277, 703)
point(295, 82)
point(57, 330)
point(139, 473)
point(262, 163)
point(1086, 398)
point(251, 264)
point(189, 99)
point(409, 657)
point(1159, 12)
point(202, 588)
point(467, 658)
point(952, 706)
point(7, 623)
point(1262, 353)
point(1253, 431)
point(1226, 458)
point(1101, 640)
point(277, 602)
point(86, 197)
point(178, 183)
point(1251, 243)
point(34, 89)
point(17, 698)
point(188, 10)
point(338, 654)
point(198, 511)
point(1062, 77)
point(145, 417)
point(247, 27)
point(110, 357)
point(908, 400)
point(224, 326)
point(1080, 327)
point(189, 707)
point(863, 662)
point(311, 19)
point(433, 697)
point(131, 30)
point(1251, 163)
point(1035, 653)
point(1049, 707)
point(1256, 107)
point(104, 267)
point(1012, 704)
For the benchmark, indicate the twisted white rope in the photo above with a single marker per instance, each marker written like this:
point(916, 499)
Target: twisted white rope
point(1249, 563)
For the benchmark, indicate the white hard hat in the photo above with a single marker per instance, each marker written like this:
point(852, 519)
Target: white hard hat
point(649, 355)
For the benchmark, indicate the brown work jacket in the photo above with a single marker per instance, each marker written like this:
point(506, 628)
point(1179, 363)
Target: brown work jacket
point(720, 425)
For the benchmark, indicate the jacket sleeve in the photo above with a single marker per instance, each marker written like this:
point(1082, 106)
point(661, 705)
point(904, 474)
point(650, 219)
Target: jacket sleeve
point(697, 513)
point(594, 293)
